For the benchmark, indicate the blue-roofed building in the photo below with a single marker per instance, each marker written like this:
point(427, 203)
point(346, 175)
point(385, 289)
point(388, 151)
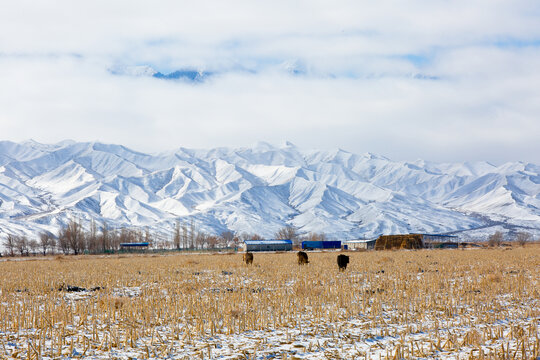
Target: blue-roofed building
point(138, 246)
point(312, 245)
point(268, 245)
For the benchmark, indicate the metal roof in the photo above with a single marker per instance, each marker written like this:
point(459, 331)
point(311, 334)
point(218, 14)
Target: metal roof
point(359, 240)
point(267, 242)
point(135, 244)
point(424, 234)
point(441, 235)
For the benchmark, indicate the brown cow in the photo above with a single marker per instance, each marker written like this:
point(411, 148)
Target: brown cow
point(342, 261)
point(248, 258)
point(302, 258)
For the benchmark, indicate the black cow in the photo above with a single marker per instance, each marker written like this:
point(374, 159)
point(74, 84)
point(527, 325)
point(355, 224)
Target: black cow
point(342, 261)
point(302, 258)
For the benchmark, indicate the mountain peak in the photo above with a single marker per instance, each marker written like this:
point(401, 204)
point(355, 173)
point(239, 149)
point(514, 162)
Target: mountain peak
point(263, 146)
point(288, 144)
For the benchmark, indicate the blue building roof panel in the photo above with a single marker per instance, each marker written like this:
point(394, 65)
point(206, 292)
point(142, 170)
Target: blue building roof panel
point(135, 244)
point(268, 242)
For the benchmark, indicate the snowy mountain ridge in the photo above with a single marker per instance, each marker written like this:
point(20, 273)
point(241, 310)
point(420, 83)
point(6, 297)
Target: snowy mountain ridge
point(259, 189)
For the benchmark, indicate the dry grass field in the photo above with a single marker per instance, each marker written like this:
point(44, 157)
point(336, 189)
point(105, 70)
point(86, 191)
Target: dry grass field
point(455, 304)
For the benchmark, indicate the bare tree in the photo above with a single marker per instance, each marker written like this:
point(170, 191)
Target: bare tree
point(495, 239)
point(139, 236)
point(312, 236)
point(123, 236)
point(227, 236)
point(147, 235)
point(73, 237)
point(62, 242)
point(184, 236)
point(45, 242)
point(213, 241)
point(33, 245)
point(21, 244)
point(177, 236)
point(287, 233)
point(192, 235)
point(248, 236)
point(9, 244)
point(113, 240)
point(129, 236)
point(91, 239)
point(523, 237)
point(201, 240)
point(104, 238)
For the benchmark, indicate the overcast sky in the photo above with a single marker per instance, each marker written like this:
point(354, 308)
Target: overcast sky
point(437, 80)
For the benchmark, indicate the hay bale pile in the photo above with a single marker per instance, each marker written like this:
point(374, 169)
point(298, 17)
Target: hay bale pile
point(407, 241)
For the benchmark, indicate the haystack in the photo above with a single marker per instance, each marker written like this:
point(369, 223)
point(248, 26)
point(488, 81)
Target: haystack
point(407, 241)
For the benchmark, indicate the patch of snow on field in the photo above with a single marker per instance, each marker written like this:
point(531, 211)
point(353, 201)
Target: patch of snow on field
point(346, 338)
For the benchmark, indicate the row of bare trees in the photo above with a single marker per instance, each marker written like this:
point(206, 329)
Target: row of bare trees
point(75, 239)
point(521, 238)
point(291, 233)
point(21, 245)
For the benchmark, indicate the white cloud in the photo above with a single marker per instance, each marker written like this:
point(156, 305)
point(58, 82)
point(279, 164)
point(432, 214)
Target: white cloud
point(359, 92)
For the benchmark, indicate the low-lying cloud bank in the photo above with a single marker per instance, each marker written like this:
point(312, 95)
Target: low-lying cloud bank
point(405, 80)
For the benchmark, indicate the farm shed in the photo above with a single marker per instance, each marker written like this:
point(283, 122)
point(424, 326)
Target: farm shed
point(446, 245)
point(413, 241)
point(435, 240)
point(310, 245)
point(267, 245)
point(360, 244)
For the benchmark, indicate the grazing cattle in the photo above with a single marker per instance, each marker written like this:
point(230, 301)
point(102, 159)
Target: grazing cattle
point(302, 258)
point(342, 261)
point(248, 258)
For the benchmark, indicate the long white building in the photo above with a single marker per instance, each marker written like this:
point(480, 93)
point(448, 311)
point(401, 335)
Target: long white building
point(267, 245)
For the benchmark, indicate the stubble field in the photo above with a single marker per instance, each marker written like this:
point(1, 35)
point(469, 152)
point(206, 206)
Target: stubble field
point(466, 304)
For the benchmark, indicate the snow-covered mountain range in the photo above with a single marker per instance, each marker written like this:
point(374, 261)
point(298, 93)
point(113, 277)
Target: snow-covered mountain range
point(259, 190)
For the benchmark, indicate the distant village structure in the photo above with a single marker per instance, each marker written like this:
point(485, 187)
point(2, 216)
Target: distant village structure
point(313, 245)
point(383, 242)
point(359, 244)
point(267, 245)
point(415, 241)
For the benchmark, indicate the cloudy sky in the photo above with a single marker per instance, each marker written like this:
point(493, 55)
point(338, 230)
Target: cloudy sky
point(438, 80)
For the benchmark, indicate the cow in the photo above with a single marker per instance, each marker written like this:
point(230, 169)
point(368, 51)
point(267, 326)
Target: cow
point(302, 258)
point(248, 258)
point(342, 261)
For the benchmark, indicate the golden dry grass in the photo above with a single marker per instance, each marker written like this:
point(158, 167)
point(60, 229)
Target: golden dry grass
point(403, 304)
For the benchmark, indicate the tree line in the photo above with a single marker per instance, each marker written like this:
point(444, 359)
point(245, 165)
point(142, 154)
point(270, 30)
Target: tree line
point(498, 238)
point(73, 238)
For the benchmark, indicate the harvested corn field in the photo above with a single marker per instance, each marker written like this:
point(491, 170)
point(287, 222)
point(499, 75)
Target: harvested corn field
point(468, 304)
